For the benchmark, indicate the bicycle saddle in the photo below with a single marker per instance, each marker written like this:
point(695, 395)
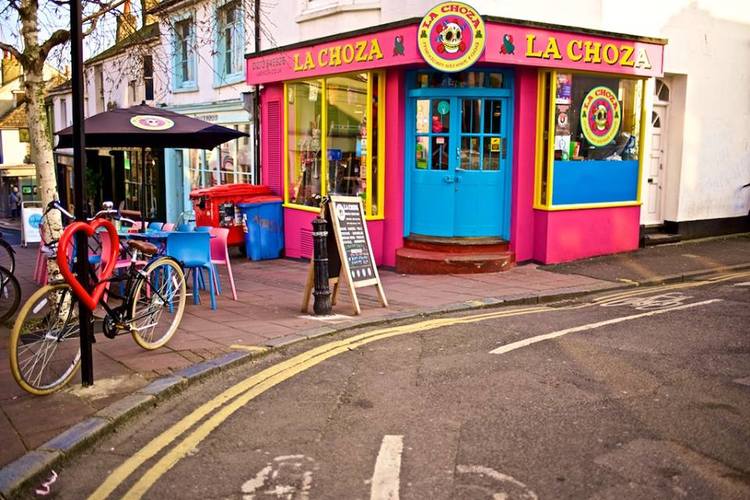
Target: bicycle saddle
point(144, 247)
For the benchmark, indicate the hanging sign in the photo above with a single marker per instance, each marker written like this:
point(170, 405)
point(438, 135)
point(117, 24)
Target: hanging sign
point(350, 254)
point(451, 36)
point(600, 116)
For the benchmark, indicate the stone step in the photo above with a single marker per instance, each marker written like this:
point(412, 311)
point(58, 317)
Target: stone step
point(652, 239)
point(421, 261)
point(456, 245)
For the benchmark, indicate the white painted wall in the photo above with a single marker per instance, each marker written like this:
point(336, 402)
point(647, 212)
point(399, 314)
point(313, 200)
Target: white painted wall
point(708, 55)
point(14, 151)
point(208, 90)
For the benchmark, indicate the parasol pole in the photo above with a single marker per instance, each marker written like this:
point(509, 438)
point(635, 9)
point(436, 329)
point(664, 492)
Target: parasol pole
point(143, 189)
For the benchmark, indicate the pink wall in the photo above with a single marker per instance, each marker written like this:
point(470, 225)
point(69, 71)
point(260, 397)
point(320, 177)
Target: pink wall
point(386, 235)
point(547, 237)
point(524, 132)
point(567, 235)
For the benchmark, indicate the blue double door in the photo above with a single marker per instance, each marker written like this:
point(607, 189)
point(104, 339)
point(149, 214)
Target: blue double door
point(459, 162)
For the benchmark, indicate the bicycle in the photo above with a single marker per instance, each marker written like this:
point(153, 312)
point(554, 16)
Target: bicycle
point(10, 294)
point(45, 340)
point(7, 255)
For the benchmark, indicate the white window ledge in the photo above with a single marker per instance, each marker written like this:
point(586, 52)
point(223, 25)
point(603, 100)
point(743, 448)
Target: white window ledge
point(312, 13)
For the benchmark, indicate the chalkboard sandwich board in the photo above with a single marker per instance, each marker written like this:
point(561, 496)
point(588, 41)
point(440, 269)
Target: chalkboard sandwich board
point(349, 250)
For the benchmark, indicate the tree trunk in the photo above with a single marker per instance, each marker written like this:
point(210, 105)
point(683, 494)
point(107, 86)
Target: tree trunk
point(41, 156)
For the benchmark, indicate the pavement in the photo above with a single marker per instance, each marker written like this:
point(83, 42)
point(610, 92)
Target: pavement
point(267, 316)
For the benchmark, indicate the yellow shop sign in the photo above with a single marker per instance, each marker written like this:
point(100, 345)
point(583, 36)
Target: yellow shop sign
point(588, 51)
point(338, 55)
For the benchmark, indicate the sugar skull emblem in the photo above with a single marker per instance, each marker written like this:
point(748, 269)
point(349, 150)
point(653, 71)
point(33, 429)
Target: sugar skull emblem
point(600, 117)
point(450, 38)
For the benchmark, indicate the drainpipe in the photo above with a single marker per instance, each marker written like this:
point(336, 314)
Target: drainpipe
point(256, 99)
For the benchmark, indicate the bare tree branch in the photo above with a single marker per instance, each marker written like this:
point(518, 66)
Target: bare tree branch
point(16, 53)
point(56, 38)
point(105, 7)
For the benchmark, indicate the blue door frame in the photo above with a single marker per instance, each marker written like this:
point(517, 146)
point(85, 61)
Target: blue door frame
point(459, 187)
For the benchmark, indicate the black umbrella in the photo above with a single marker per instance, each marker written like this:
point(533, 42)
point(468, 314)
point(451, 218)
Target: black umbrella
point(144, 127)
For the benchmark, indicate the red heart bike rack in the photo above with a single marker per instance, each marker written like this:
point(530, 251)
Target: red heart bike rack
point(65, 244)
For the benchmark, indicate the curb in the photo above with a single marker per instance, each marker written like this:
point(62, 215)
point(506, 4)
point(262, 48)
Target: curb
point(33, 464)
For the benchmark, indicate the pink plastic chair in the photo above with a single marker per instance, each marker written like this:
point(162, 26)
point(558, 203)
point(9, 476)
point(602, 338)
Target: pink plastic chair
point(168, 226)
point(220, 255)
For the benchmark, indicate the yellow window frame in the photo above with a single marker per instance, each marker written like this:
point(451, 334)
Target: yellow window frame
point(550, 143)
point(369, 215)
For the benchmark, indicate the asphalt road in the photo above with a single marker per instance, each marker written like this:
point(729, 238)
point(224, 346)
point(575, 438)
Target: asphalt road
point(641, 395)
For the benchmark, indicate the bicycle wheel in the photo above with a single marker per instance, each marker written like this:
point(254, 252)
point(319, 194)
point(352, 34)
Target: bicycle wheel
point(10, 294)
point(7, 257)
point(157, 303)
point(45, 349)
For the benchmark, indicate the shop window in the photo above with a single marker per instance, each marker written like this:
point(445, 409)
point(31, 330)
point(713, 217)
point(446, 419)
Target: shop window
point(588, 142)
point(228, 163)
point(348, 109)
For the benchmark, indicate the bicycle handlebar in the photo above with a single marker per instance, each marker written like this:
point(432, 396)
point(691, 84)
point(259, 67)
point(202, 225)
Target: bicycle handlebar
point(111, 212)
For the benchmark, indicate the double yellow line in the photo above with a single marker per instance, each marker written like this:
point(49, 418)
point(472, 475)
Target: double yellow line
point(225, 404)
point(240, 394)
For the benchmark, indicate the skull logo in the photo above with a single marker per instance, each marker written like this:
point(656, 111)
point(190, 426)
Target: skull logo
point(600, 117)
point(450, 38)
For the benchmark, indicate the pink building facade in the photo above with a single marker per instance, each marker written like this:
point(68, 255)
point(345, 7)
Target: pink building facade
point(537, 142)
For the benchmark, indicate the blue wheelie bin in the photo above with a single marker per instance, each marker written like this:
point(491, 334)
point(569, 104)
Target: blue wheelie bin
point(263, 222)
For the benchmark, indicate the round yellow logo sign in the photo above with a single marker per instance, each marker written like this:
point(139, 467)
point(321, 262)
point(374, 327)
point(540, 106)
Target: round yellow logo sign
point(600, 116)
point(451, 36)
point(151, 122)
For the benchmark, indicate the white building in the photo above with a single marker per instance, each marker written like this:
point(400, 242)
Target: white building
point(203, 75)
point(16, 169)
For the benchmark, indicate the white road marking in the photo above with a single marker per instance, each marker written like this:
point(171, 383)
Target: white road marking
point(744, 283)
point(385, 478)
point(509, 487)
point(547, 336)
point(653, 302)
point(288, 476)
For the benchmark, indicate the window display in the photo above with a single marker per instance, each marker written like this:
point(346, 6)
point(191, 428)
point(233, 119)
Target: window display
point(589, 140)
point(341, 116)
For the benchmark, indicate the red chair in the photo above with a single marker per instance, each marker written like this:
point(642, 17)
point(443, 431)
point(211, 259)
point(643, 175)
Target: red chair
point(220, 255)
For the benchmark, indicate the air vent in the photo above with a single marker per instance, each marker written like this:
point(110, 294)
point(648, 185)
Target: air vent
point(305, 243)
point(274, 146)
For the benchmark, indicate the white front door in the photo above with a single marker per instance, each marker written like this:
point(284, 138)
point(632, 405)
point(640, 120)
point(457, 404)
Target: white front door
point(655, 173)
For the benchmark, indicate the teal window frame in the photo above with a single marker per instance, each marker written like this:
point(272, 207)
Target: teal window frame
point(179, 83)
point(222, 74)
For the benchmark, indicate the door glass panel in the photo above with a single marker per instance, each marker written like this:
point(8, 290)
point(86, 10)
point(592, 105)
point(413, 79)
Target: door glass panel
point(492, 152)
point(423, 152)
point(423, 116)
point(471, 116)
point(496, 80)
point(471, 158)
point(441, 116)
point(439, 153)
point(492, 116)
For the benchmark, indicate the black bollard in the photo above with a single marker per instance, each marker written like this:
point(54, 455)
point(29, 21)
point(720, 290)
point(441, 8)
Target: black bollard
point(322, 293)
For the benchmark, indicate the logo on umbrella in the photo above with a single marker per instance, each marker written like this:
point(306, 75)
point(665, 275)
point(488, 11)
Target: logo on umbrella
point(151, 122)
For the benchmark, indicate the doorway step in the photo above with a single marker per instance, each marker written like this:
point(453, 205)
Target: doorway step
point(657, 235)
point(434, 255)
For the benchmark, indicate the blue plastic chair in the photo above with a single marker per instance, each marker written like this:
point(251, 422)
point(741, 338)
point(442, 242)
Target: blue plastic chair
point(193, 251)
point(154, 226)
